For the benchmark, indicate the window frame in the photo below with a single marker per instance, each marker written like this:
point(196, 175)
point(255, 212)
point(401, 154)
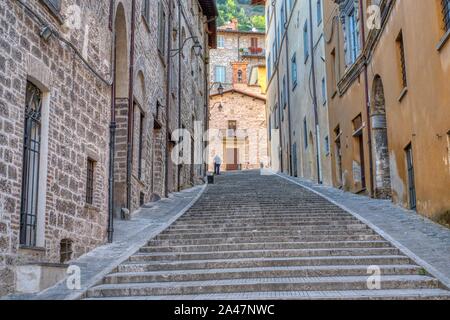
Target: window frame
point(294, 71)
point(90, 181)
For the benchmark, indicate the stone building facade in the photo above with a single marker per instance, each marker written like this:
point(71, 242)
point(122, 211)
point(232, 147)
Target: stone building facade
point(296, 96)
point(389, 101)
point(238, 130)
point(68, 165)
point(237, 55)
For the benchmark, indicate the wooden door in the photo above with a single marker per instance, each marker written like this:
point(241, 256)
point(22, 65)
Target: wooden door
point(231, 160)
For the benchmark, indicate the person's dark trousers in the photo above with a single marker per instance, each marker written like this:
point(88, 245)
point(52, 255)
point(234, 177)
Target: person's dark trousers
point(217, 169)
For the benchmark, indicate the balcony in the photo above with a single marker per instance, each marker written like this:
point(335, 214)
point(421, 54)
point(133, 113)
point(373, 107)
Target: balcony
point(253, 52)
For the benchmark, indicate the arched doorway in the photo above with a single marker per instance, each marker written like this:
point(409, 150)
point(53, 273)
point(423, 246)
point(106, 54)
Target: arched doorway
point(121, 87)
point(380, 141)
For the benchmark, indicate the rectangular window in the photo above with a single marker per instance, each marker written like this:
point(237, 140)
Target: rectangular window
point(306, 41)
point(294, 71)
point(284, 97)
point(274, 58)
point(401, 55)
point(411, 177)
point(353, 36)
point(146, 11)
point(270, 127)
point(161, 29)
point(305, 132)
point(277, 117)
point(446, 14)
point(334, 69)
point(220, 74)
point(324, 91)
point(319, 11)
point(141, 144)
point(269, 67)
point(31, 165)
point(90, 181)
point(254, 42)
point(327, 145)
point(220, 42)
point(53, 5)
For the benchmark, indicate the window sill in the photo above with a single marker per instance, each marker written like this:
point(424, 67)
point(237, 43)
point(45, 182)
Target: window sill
point(27, 248)
point(403, 94)
point(443, 41)
point(91, 207)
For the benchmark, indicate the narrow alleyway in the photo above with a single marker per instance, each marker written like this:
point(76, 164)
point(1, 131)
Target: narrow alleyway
point(262, 237)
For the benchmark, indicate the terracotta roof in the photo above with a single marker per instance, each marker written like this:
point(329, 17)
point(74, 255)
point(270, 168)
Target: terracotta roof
point(258, 2)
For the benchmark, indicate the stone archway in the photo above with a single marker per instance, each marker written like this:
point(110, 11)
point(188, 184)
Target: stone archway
point(380, 141)
point(121, 87)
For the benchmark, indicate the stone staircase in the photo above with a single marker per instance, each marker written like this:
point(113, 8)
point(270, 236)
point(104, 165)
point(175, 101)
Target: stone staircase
point(261, 237)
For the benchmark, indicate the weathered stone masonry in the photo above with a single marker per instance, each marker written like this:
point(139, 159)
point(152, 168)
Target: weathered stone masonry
point(76, 104)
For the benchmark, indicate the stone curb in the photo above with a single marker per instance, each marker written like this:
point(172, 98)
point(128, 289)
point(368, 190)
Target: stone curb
point(428, 267)
point(147, 234)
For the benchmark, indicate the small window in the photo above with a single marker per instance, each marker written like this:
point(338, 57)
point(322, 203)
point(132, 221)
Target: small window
point(53, 5)
point(284, 94)
point(294, 71)
point(327, 145)
point(146, 11)
point(401, 55)
point(305, 132)
point(90, 181)
point(324, 91)
point(239, 75)
point(66, 250)
point(161, 29)
point(306, 41)
point(220, 42)
point(220, 74)
point(319, 12)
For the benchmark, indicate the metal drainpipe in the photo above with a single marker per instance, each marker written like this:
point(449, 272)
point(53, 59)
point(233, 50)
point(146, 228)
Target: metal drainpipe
point(316, 114)
point(168, 88)
point(112, 130)
point(180, 43)
point(131, 104)
point(289, 98)
point(280, 151)
point(366, 90)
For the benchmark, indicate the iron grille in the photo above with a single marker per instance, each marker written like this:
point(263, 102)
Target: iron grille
point(30, 170)
point(411, 178)
point(402, 60)
point(66, 250)
point(90, 182)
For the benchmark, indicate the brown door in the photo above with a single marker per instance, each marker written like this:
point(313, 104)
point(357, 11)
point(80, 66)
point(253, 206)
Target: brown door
point(232, 159)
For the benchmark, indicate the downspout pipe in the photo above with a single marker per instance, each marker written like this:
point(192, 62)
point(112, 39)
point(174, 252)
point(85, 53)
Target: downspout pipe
point(316, 114)
point(288, 80)
point(180, 43)
point(131, 104)
point(112, 130)
point(168, 106)
point(367, 96)
point(280, 151)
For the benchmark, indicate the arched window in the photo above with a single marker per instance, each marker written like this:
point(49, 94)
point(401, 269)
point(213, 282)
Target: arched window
point(239, 74)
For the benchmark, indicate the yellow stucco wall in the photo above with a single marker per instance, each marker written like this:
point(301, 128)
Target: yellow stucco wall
point(420, 118)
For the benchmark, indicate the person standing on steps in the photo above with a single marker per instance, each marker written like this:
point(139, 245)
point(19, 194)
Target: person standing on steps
point(217, 164)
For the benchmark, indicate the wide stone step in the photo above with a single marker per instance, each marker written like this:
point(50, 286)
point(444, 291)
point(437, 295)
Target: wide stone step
point(255, 234)
point(268, 246)
point(295, 219)
point(300, 238)
point(261, 262)
point(261, 214)
point(262, 285)
point(181, 230)
point(161, 256)
point(274, 224)
point(394, 294)
point(248, 273)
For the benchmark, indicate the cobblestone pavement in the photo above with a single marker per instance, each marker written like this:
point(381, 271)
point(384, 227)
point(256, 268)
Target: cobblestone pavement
point(428, 241)
point(129, 236)
point(251, 236)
